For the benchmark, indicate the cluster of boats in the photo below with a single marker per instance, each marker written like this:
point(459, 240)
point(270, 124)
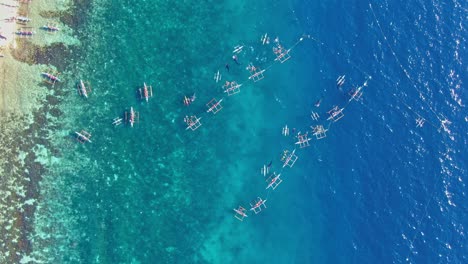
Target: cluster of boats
point(28, 31)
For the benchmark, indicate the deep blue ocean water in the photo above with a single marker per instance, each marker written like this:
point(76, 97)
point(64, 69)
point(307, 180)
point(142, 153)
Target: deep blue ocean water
point(377, 189)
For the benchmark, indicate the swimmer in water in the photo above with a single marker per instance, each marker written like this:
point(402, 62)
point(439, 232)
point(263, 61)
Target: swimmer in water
point(234, 57)
point(227, 67)
point(319, 101)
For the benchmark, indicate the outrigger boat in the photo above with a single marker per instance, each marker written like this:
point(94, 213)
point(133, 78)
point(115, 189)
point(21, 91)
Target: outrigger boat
point(214, 106)
point(256, 74)
point(231, 88)
point(131, 116)
point(273, 181)
point(189, 100)
point(303, 140)
point(355, 94)
point(289, 158)
point(50, 28)
point(83, 136)
point(240, 213)
point(257, 206)
point(82, 90)
point(50, 78)
point(335, 114)
point(193, 122)
point(146, 92)
point(24, 33)
point(23, 19)
point(319, 131)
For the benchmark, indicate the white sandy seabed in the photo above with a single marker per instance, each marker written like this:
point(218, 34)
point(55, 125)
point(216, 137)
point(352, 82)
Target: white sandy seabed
point(21, 97)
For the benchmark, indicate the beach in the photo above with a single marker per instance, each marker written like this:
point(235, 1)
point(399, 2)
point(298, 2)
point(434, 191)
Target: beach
point(27, 110)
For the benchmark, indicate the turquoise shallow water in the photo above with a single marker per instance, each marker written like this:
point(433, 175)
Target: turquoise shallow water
point(157, 193)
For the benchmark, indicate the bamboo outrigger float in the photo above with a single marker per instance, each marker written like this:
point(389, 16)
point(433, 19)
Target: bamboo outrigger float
point(117, 121)
point(285, 131)
point(265, 169)
point(265, 39)
point(340, 80)
point(237, 49)
point(314, 115)
point(217, 76)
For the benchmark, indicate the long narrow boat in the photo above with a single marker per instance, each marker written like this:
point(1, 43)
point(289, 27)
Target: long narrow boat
point(82, 88)
point(24, 33)
point(50, 28)
point(50, 77)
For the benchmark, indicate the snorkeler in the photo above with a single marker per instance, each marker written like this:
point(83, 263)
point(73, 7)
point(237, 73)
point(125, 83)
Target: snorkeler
point(319, 101)
point(235, 59)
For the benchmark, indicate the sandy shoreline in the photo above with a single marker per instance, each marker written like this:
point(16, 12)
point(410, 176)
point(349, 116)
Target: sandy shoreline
point(14, 74)
point(8, 13)
point(27, 106)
